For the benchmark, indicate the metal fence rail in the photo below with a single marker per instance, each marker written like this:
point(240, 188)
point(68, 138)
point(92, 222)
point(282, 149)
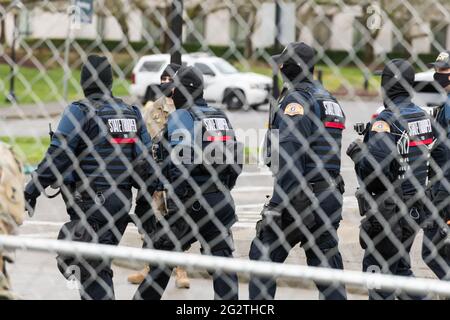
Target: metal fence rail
point(178, 116)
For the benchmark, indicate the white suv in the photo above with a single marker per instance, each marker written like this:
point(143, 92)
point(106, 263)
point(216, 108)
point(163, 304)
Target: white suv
point(223, 83)
point(426, 93)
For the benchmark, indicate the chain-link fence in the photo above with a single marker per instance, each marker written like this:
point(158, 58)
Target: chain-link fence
point(222, 128)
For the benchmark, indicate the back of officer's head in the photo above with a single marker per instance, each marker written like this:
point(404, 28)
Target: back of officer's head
point(296, 62)
point(96, 76)
point(397, 80)
point(188, 86)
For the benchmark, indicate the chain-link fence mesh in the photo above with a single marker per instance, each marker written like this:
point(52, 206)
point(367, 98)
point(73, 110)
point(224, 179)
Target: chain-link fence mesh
point(192, 158)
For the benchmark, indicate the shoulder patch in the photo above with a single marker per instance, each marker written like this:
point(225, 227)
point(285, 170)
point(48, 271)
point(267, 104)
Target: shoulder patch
point(293, 109)
point(380, 126)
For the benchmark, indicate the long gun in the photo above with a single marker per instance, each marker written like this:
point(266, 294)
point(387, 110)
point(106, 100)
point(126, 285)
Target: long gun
point(51, 133)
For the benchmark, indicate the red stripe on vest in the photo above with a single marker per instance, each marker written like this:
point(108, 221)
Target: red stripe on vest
point(336, 125)
point(123, 140)
point(218, 138)
point(420, 142)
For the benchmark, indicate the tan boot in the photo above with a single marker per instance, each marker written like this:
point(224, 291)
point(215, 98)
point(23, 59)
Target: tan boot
point(138, 277)
point(5, 294)
point(181, 278)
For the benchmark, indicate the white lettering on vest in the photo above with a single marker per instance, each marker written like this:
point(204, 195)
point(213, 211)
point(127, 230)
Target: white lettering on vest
point(419, 127)
point(122, 125)
point(333, 109)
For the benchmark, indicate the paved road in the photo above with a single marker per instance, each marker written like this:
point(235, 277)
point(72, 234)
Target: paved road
point(35, 275)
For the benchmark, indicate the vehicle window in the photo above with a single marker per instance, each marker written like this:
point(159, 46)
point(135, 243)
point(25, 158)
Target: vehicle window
point(152, 66)
point(426, 87)
point(204, 69)
point(224, 66)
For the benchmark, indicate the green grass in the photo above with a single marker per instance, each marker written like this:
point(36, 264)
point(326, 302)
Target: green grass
point(33, 86)
point(29, 149)
point(333, 79)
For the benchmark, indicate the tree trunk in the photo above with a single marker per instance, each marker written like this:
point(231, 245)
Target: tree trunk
point(165, 41)
point(2, 31)
point(248, 50)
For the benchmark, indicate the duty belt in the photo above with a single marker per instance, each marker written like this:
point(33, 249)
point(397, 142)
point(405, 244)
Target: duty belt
point(93, 189)
point(213, 188)
point(322, 185)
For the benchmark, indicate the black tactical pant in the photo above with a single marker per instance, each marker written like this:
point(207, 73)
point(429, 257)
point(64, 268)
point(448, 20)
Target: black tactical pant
point(99, 219)
point(214, 236)
point(387, 237)
point(319, 239)
point(436, 246)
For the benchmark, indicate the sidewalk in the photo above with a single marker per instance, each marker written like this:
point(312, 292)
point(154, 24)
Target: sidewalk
point(39, 110)
point(32, 111)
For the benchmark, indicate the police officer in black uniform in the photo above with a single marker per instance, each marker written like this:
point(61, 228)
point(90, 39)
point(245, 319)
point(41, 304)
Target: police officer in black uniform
point(392, 165)
point(306, 203)
point(197, 181)
point(98, 152)
point(436, 241)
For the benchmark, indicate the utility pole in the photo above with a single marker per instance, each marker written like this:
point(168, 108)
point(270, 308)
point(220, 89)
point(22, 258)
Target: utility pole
point(16, 8)
point(176, 31)
point(277, 48)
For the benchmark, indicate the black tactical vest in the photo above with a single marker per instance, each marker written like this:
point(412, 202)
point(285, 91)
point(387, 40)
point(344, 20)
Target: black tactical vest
point(108, 149)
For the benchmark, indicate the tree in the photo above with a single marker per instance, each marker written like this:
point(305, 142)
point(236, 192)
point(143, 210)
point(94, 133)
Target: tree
point(246, 10)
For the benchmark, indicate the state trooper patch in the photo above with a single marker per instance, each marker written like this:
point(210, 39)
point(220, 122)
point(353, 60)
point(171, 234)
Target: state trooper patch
point(293, 109)
point(380, 126)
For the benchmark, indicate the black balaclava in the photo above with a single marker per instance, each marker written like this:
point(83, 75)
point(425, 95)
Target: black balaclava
point(188, 87)
point(181, 97)
point(170, 70)
point(294, 73)
point(442, 79)
point(96, 76)
point(397, 80)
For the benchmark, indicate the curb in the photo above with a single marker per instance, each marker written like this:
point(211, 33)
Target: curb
point(34, 116)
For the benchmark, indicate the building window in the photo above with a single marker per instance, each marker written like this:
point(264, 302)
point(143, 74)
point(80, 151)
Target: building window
point(439, 31)
point(24, 23)
point(359, 38)
point(101, 24)
point(151, 25)
point(322, 31)
point(238, 33)
point(398, 44)
point(195, 30)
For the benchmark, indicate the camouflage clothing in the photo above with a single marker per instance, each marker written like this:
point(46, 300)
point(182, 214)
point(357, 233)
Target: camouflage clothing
point(155, 116)
point(12, 206)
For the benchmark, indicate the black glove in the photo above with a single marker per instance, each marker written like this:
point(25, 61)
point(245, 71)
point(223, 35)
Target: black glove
point(271, 217)
point(31, 193)
point(354, 150)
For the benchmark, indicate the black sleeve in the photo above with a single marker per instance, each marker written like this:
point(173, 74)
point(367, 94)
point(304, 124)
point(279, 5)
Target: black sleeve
point(294, 130)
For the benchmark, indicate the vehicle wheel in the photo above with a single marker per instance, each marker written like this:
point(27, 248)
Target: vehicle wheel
point(235, 100)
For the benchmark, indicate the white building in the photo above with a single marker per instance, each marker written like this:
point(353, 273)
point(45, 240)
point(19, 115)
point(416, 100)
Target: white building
point(339, 31)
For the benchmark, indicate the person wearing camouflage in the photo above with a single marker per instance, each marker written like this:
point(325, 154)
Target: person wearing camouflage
point(155, 115)
point(12, 206)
